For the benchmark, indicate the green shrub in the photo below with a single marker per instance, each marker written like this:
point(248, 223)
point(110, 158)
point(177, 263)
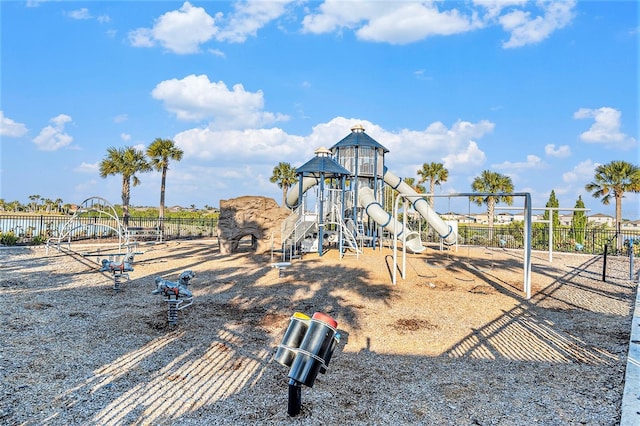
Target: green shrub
point(38, 240)
point(8, 239)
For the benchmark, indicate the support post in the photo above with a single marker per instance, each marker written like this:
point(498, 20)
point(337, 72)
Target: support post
point(295, 398)
point(604, 263)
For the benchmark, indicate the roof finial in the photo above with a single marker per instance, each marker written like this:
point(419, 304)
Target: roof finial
point(358, 128)
point(322, 152)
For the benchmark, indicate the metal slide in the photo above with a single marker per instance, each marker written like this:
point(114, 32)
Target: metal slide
point(422, 206)
point(375, 211)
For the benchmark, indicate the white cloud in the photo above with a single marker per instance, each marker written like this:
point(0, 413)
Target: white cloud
point(216, 52)
point(142, 37)
point(180, 31)
point(247, 146)
point(533, 162)
point(408, 22)
point(582, 172)
point(495, 7)
point(195, 98)
point(606, 128)
point(563, 151)
point(84, 14)
point(87, 168)
point(80, 14)
point(9, 128)
point(437, 137)
point(52, 138)
point(526, 29)
point(125, 137)
point(249, 16)
point(391, 22)
point(120, 118)
point(470, 156)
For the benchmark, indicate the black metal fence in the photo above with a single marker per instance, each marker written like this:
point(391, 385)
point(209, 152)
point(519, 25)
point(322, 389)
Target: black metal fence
point(32, 228)
point(37, 228)
point(564, 239)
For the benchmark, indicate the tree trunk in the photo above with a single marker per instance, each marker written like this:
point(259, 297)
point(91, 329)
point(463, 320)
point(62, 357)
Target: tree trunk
point(126, 194)
point(432, 188)
point(284, 195)
point(619, 222)
point(491, 203)
point(162, 187)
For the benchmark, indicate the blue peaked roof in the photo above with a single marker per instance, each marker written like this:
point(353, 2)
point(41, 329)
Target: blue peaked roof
point(326, 165)
point(359, 138)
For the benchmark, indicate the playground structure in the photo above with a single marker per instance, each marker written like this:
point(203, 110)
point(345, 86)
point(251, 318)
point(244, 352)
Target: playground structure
point(348, 211)
point(96, 218)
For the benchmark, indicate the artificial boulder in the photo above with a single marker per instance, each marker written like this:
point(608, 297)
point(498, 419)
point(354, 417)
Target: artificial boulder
point(259, 217)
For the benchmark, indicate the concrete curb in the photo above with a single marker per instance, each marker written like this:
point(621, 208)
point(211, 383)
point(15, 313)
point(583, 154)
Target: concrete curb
point(631, 395)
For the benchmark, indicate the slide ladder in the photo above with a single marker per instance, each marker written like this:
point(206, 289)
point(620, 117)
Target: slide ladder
point(348, 236)
point(294, 228)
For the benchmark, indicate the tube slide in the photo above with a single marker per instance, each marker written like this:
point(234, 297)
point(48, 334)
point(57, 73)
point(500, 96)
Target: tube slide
point(293, 195)
point(422, 206)
point(375, 211)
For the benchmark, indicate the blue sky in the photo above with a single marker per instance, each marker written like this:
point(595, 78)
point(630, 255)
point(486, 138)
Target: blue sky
point(540, 91)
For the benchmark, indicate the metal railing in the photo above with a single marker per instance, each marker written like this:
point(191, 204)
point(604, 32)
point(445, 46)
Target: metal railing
point(32, 228)
point(565, 239)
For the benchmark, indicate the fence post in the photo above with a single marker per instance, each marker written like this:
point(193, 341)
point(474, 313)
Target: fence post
point(604, 263)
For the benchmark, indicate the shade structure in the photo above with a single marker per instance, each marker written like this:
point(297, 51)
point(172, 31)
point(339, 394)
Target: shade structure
point(358, 138)
point(325, 167)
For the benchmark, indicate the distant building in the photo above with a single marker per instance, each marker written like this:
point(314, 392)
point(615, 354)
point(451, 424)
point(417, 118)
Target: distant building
point(566, 219)
point(502, 218)
point(601, 219)
point(630, 224)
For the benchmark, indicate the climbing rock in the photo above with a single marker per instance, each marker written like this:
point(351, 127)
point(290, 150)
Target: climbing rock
point(260, 217)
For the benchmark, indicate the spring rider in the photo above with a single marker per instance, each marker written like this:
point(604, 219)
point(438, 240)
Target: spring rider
point(118, 269)
point(176, 294)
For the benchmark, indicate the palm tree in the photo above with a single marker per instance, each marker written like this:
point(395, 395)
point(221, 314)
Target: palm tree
point(435, 173)
point(160, 152)
point(48, 204)
point(420, 189)
point(13, 206)
point(612, 180)
point(495, 184)
point(58, 203)
point(35, 199)
point(285, 176)
point(127, 162)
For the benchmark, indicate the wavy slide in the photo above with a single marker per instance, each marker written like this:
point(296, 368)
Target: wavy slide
point(292, 199)
point(422, 207)
point(375, 211)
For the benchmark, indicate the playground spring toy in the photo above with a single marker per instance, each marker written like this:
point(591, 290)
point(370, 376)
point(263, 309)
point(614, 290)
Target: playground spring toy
point(126, 265)
point(307, 347)
point(176, 294)
point(119, 270)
